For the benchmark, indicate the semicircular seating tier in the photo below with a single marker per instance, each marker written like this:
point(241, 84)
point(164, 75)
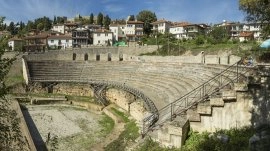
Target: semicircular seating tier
point(162, 82)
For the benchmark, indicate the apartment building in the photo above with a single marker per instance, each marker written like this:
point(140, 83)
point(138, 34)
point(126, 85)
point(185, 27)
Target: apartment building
point(134, 30)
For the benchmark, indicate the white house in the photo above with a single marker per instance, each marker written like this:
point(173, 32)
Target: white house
point(59, 28)
point(102, 38)
point(161, 26)
point(60, 41)
point(134, 30)
point(178, 30)
point(15, 43)
point(118, 32)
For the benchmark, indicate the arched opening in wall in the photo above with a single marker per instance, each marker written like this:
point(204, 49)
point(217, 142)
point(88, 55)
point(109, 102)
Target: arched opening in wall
point(74, 56)
point(229, 59)
point(98, 57)
point(109, 57)
point(218, 60)
point(85, 57)
point(120, 57)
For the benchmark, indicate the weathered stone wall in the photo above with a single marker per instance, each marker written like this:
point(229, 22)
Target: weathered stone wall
point(74, 89)
point(128, 102)
point(233, 115)
point(23, 127)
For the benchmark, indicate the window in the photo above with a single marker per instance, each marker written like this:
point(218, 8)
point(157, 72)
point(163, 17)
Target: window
point(98, 34)
point(99, 41)
point(52, 41)
point(106, 34)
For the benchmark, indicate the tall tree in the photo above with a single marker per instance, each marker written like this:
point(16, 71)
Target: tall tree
point(91, 19)
point(257, 11)
point(107, 21)
point(2, 23)
point(100, 19)
point(12, 28)
point(218, 35)
point(131, 18)
point(54, 20)
point(147, 17)
point(30, 25)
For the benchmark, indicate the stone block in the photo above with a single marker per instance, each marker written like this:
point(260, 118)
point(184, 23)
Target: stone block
point(193, 115)
point(229, 95)
point(204, 108)
point(216, 102)
point(173, 134)
point(241, 87)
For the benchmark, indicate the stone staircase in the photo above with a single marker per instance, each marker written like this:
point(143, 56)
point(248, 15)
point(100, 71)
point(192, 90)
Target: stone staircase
point(228, 107)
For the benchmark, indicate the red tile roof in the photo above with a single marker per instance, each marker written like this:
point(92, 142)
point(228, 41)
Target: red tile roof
point(60, 37)
point(161, 21)
point(135, 22)
point(246, 34)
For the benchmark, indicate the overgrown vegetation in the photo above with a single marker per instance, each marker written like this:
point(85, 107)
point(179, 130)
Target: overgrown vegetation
point(238, 141)
point(128, 136)
point(10, 134)
point(107, 124)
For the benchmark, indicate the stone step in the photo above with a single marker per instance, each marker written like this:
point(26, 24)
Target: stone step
point(217, 101)
point(229, 95)
point(241, 87)
point(204, 108)
point(193, 115)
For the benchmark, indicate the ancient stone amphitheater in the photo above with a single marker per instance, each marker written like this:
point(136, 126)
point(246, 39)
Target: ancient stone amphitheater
point(204, 92)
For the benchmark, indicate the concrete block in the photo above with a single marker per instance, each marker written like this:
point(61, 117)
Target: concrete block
point(241, 87)
point(193, 115)
point(229, 95)
point(173, 134)
point(216, 102)
point(204, 108)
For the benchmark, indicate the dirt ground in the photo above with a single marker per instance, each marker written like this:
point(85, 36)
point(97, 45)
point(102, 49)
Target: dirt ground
point(75, 128)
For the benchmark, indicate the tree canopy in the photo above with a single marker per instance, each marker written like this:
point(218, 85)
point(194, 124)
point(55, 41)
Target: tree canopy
point(257, 11)
point(107, 21)
point(147, 17)
point(100, 19)
point(91, 19)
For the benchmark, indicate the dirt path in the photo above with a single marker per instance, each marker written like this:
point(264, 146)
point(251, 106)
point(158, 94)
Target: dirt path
point(117, 130)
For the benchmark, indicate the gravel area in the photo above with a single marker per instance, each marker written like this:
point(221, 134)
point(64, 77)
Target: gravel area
point(75, 128)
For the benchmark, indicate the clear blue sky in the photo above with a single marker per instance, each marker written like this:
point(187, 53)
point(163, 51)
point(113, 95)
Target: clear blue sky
point(194, 11)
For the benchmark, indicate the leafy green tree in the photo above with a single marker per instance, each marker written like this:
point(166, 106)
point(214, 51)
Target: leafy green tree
point(12, 28)
point(100, 19)
point(147, 17)
point(91, 19)
point(131, 18)
point(2, 23)
point(54, 20)
point(218, 35)
point(40, 26)
point(257, 11)
point(30, 25)
point(106, 21)
point(60, 20)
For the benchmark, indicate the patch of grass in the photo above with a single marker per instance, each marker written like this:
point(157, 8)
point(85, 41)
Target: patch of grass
point(129, 135)
point(107, 124)
point(81, 98)
point(238, 141)
point(150, 145)
point(120, 114)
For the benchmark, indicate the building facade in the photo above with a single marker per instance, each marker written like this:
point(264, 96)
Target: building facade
point(60, 41)
point(134, 30)
point(103, 38)
point(80, 37)
point(161, 26)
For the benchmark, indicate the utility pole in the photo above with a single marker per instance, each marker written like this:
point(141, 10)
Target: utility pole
point(168, 49)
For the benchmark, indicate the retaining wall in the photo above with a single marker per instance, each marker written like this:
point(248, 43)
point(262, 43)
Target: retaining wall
point(24, 129)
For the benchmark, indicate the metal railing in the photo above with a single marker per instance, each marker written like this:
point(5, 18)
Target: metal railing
point(234, 73)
